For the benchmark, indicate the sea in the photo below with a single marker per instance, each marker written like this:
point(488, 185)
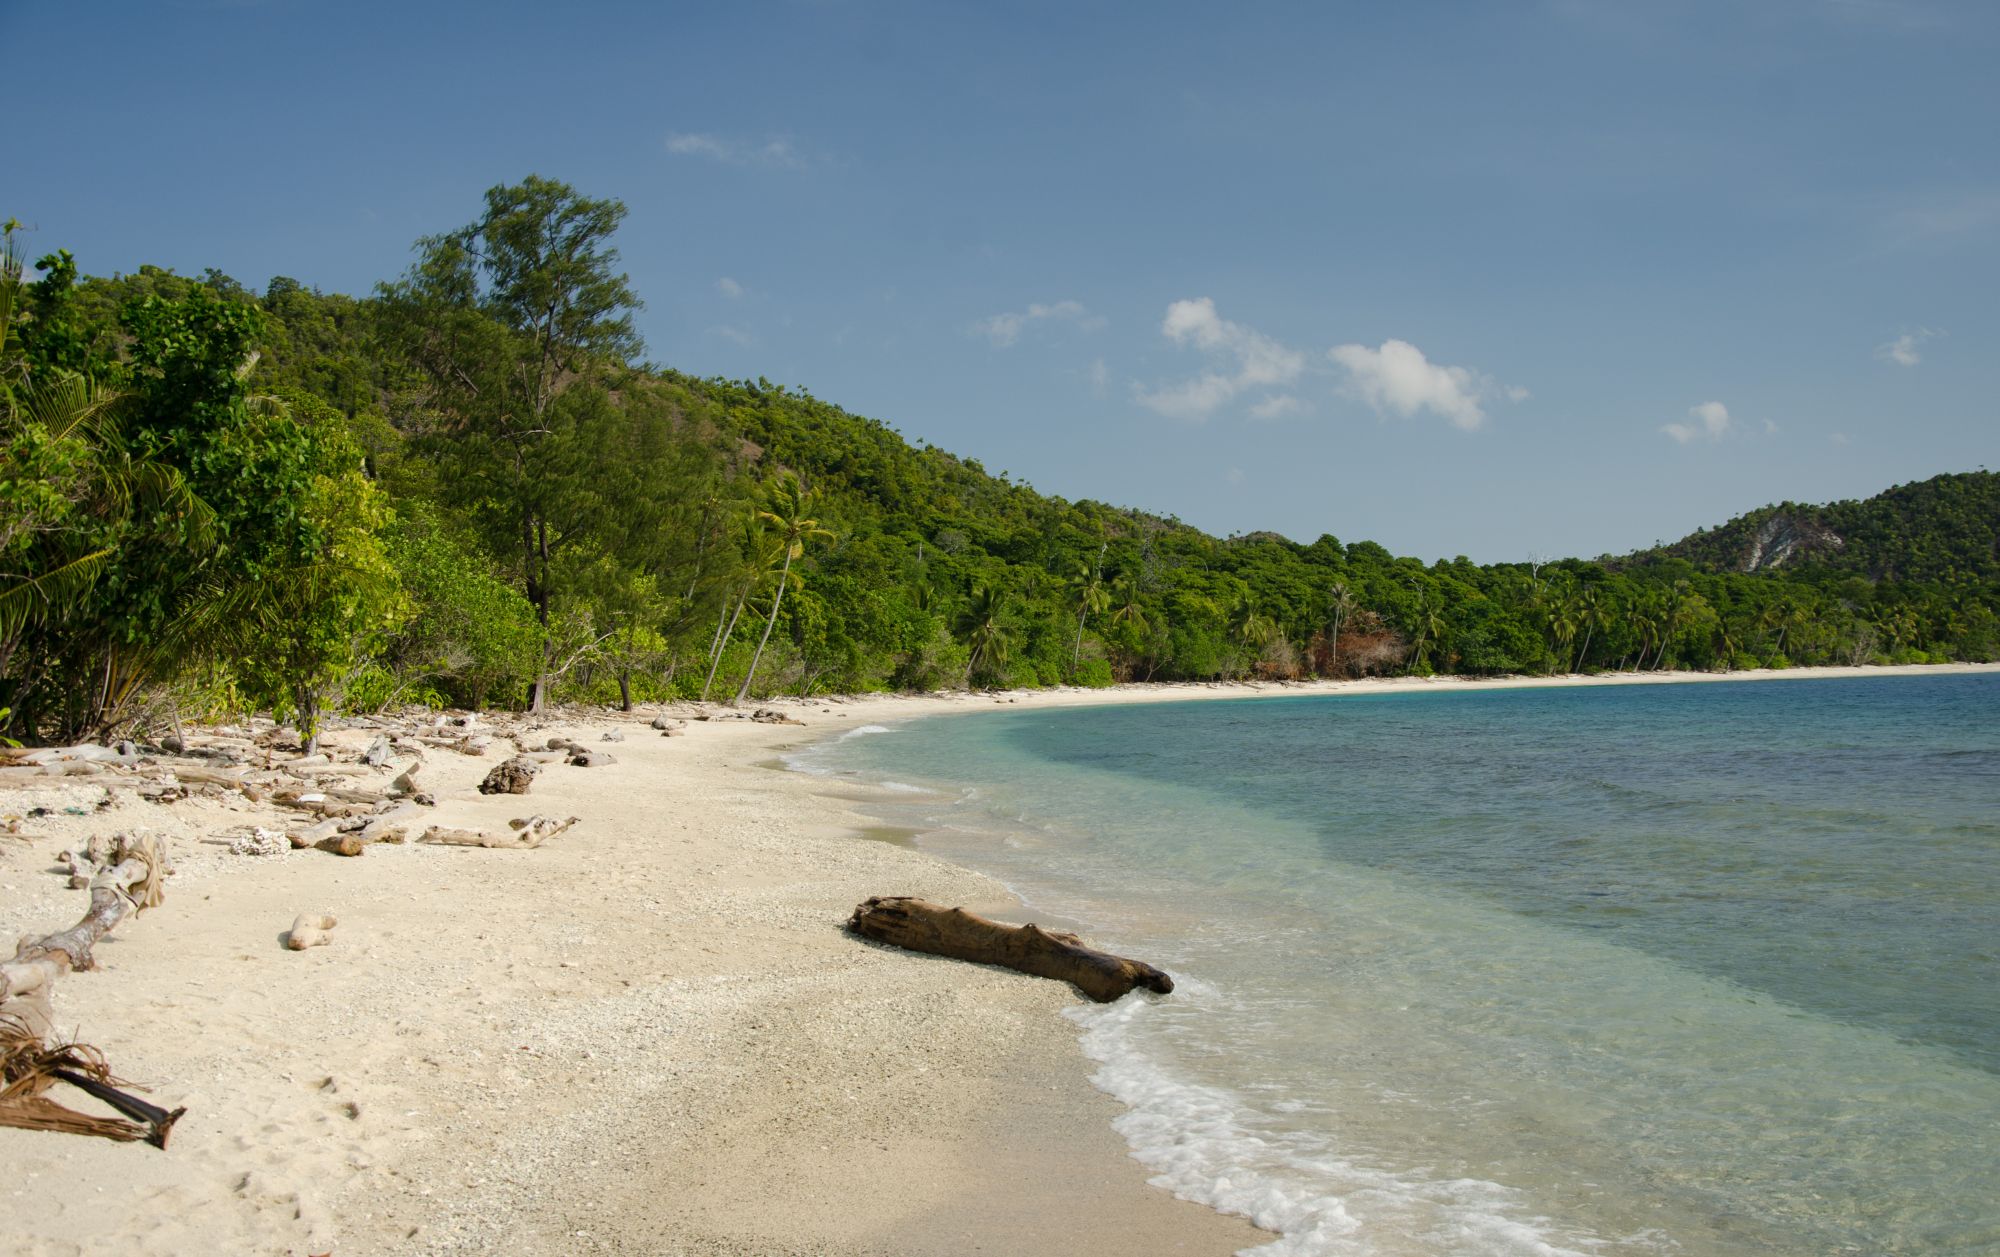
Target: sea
point(1648, 969)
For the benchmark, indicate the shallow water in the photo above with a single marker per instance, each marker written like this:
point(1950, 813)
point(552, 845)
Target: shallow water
point(1694, 969)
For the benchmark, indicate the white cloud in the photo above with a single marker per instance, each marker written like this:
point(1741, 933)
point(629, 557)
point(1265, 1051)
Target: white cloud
point(1234, 475)
point(729, 288)
point(734, 335)
point(1193, 400)
point(1903, 350)
point(1004, 329)
point(1277, 406)
point(1838, 438)
point(1256, 361)
point(1100, 376)
point(1709, 420)
point(776, 151)
point(1398, 377)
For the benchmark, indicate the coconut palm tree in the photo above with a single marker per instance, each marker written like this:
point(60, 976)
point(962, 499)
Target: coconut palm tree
point(988, 638)
point(1339, 605)
point(789, 501)
point(1562, 613)
point(1126, 605)
point(1429, 627)
point(1592, 615)
point(1089, 598)
point(760, 557)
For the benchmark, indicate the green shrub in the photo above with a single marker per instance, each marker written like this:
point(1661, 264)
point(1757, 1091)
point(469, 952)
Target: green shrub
point(1094, 674)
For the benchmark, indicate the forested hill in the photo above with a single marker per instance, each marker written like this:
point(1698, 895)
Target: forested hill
point(1946, 528)
point(469, 488)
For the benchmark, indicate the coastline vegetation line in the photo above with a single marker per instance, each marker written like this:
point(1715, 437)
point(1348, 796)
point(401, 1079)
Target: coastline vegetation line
point(470, 489)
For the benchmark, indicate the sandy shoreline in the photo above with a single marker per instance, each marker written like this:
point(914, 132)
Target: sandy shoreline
point(649, 1035)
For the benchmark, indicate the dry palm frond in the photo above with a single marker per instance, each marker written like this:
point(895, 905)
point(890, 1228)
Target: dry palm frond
point(29, 1067)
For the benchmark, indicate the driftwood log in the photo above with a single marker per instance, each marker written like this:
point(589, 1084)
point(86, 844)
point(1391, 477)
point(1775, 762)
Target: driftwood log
point(529, 832)
point(129, 883)
point(954, 932)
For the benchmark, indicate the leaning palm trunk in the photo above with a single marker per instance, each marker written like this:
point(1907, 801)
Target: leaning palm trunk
point(722, 642)
point(769, 624)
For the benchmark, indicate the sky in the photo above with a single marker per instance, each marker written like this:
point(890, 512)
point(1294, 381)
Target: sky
point(1508, 279)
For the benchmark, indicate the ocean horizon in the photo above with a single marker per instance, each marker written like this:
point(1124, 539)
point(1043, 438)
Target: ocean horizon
point(1648, 969)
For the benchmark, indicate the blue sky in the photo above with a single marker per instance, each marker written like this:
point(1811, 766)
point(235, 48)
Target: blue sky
point(1497, 279)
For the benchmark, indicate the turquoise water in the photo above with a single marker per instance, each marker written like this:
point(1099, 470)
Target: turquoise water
point(1651, 969)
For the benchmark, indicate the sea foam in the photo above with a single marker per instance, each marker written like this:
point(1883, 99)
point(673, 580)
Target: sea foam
point(1207, 1144)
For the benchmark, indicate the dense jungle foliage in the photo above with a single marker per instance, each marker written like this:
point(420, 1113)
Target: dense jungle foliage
point(469, 488)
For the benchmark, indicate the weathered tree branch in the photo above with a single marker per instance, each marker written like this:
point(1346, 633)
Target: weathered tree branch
point(130, 884)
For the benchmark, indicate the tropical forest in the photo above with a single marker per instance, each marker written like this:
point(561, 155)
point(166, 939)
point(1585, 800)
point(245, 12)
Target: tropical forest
point(470, 488)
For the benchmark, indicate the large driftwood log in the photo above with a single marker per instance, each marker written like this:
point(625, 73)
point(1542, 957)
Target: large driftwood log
point(129, 884)
point(954, 932)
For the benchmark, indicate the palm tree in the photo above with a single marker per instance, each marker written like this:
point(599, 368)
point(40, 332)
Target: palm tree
point(1430, 628)
point(1127, 608)
point(758, 569)
point(789, 502)
point(1592, 614)
point(1339, 605)
point(59, 437)
point(1562, 626)
point(1676, 613)
point(1248, 625)
point(988, 639)
point(1087, 588)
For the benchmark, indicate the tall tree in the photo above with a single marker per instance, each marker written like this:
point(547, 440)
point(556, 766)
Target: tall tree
point(988, 637)
point(1089, 598)
point(507, 320)
point(789, 501)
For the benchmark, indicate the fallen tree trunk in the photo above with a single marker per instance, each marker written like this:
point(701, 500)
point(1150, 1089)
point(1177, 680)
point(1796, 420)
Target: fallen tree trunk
point(954, 932)
point(129, 884)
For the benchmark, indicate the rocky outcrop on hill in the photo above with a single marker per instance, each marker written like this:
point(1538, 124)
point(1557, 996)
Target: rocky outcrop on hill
point(1785, 538)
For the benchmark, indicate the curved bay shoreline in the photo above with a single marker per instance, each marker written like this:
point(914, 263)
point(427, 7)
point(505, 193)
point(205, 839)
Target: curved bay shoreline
point(649, 1035)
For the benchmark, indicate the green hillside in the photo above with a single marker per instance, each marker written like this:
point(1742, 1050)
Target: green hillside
point(1946, 528)
point(469, 488)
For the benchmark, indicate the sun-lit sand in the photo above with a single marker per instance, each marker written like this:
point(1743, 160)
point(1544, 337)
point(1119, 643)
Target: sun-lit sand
point(650, 1035)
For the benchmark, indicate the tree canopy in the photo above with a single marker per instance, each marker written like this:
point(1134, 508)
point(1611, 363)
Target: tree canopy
point(466, 488)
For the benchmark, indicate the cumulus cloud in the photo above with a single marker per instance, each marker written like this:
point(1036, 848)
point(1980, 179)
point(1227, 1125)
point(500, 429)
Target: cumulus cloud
point(1100, 376)
point(1244, 359)
point(1398, 377)
point(729, 288)
point(775, 151)
point(1903, 350)
point(1006, 328)
point(1709, 421)
point(734, 335)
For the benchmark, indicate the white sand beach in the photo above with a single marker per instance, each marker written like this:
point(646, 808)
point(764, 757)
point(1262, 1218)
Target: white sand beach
point(649, 1035)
